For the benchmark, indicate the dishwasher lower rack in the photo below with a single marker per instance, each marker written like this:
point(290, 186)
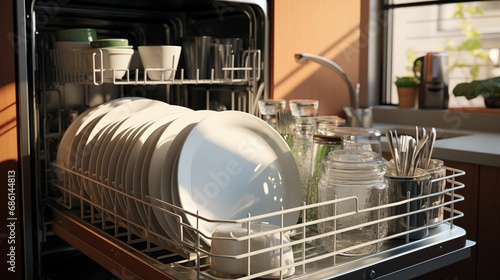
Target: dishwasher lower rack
point(132, 250)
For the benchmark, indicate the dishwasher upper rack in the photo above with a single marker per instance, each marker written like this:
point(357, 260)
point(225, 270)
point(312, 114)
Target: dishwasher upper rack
point(85, 66)
point(195, 255)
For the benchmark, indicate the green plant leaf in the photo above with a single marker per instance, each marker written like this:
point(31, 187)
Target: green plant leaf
point(485, 88)
point(407, 81)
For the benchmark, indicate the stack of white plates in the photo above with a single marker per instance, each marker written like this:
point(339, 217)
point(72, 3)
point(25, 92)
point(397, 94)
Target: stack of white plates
point(148, 155)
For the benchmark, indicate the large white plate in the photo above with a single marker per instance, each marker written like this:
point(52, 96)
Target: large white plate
point(117, 113)
point(63, 151)
point(128, 205)
point(233, 164)
point(94, 164)
point(138, 123)
point(96, 161)
point(161, 167)
point(76, 166)
point(120, 147)
point(68, 144)
point(111, 131)
point(118, 142)
point(91, 126)
point(138, 160)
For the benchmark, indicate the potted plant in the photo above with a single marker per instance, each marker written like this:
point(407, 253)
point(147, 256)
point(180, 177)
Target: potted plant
point(489, 89)
point(407, 87)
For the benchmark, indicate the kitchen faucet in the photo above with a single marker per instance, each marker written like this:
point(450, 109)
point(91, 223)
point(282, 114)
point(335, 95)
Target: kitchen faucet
point(352, 111)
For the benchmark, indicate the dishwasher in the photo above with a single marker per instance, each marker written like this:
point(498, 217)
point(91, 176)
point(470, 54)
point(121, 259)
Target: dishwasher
point(87, 232)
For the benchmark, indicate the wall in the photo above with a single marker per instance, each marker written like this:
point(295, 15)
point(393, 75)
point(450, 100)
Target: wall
point(330, 28)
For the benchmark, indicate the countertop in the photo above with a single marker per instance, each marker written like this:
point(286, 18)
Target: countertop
point(462, 136)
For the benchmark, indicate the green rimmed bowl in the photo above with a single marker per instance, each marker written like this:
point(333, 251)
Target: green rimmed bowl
point(110, 42)
point(76, 35)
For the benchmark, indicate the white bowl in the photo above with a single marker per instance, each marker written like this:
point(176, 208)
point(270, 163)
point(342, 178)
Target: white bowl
point(160, 62)
point(225, 243)
point(113, 59)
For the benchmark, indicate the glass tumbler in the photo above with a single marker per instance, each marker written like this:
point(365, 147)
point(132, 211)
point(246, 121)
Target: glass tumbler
point(270, 109)
point(358, 177)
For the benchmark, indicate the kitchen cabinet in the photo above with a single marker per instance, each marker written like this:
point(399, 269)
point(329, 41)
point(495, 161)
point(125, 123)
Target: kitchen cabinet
point(488, 218)
point(481, 221)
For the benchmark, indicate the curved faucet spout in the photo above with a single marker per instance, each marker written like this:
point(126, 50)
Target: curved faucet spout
point(353, 94)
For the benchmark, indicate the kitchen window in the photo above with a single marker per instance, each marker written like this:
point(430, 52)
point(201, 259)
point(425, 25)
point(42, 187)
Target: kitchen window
point(467, 31)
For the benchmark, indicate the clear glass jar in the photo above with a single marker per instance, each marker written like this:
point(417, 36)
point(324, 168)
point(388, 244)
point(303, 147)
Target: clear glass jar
point(436, 170)
point(322, 146)
point(325, 125)
point(360, 138)
point(304, 112)
point(358, 175)
point(324, 141)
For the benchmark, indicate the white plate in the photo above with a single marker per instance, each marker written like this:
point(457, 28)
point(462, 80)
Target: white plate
point(76, 180)
point(138, 123)
point(63, 151)
point(94, 164)
point(159, 168)
point(96, 161)
point(107, 134)
point(120, 146)
point(233, 164)
point(118, 142)
point(169, 174)
point(85, 131)
point(138, 160)
point(116, 113)
point(68, 144)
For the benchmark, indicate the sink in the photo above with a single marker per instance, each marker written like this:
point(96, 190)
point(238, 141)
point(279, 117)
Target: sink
point(407, 130)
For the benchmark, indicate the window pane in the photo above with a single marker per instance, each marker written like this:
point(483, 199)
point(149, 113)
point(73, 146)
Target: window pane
point(468, 32)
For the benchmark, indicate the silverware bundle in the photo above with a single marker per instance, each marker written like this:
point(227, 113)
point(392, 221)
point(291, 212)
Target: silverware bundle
point(410, 153)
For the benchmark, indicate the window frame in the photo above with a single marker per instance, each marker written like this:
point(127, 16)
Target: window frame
point(386, 13)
